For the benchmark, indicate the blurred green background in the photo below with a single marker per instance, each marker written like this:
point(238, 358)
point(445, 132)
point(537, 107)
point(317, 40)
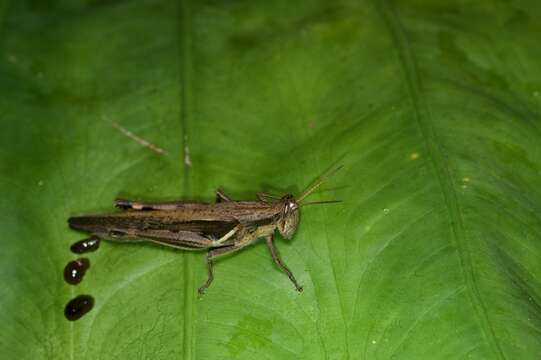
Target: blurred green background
point(433, 107)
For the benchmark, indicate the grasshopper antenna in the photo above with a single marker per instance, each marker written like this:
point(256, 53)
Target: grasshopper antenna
point(318, 183)
point(321, 202)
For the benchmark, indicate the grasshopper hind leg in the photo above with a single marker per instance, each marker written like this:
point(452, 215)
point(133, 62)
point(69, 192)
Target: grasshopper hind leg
point(136, 205)
point(210, 278)
point(210, 256)
point(141, 206)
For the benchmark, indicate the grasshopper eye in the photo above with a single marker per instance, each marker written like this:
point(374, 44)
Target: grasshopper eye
point(289, 221)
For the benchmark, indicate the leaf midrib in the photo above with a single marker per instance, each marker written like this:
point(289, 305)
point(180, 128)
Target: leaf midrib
point(186, 67)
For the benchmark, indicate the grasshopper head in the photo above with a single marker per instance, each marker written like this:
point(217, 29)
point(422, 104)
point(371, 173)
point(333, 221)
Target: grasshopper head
point(289, 218)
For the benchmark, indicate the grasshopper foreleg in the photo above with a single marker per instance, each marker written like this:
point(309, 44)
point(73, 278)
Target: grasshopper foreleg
point(266, 198)
point(276, 257)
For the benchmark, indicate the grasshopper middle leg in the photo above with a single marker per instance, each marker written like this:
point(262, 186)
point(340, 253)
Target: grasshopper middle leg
point(221, 196)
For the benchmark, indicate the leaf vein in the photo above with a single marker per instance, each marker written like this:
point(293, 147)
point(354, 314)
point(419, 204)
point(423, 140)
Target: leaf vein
point(437, 156)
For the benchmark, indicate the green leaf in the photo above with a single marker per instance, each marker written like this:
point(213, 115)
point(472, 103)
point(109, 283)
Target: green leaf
point(432, 107)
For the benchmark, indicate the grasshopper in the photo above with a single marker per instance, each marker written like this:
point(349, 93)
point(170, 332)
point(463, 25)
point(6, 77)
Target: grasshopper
point(221, 228)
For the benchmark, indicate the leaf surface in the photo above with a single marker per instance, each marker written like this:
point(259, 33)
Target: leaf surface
point(433, 109)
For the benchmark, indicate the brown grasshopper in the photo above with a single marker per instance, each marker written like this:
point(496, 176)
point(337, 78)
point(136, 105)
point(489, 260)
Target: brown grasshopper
point(221, 228)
